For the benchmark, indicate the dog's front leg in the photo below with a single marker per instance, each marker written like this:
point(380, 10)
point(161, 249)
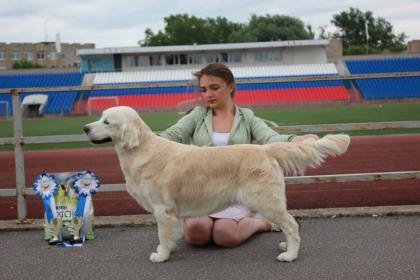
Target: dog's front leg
point(170, 231)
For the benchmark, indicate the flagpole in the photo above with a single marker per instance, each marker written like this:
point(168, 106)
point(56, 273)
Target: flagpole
point(367, 37)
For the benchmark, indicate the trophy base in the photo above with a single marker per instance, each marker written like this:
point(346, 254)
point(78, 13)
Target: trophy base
point(53, 242)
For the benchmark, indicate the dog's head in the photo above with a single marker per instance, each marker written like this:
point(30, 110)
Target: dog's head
point(120, 125)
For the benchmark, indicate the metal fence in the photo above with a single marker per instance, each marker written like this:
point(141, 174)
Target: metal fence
point(18, 140)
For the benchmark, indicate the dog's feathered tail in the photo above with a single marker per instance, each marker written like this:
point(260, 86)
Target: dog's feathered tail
point(294, 158)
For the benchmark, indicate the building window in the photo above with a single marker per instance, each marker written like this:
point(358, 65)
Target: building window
point(154, 60)
point(267, 56)
point(235, 58)
point(2, 55)
point(223, 57)
point(40, 55)
point(53, 56)
point(175, 59)
point(172, 59)
point(132, 61)
point(194, 59)
point(28, 56)
point(15, 56)
point(212, 58)
point(183, 59)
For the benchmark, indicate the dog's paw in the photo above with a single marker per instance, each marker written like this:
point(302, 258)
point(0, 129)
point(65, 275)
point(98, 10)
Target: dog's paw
point(285, 257)
point(283, 246)
point(155, 257)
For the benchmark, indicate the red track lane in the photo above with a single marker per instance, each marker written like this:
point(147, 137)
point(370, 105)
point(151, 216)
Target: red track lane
point(366, 154)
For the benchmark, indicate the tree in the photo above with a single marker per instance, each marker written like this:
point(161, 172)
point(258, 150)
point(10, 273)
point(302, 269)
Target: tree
point(182, 29)
point(351, 27)
point(220, 29)
point(278, 27)
point(24, 64)
point(179, 29)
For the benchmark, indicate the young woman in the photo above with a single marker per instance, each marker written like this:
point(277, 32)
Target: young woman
point(220, 122)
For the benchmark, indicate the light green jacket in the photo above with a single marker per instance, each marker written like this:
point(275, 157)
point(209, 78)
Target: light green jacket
point(197, 128)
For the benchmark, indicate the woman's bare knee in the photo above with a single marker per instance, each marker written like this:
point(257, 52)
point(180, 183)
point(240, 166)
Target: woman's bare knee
point(198, 231)
point(225, 233)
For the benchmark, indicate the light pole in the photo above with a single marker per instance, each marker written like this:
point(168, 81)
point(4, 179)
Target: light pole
point(367, 36)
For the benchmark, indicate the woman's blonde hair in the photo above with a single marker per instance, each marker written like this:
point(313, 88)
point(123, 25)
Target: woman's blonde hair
point(219, 70)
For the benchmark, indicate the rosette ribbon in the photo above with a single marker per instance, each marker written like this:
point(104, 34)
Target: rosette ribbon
point(46, 187)
point(85, 184)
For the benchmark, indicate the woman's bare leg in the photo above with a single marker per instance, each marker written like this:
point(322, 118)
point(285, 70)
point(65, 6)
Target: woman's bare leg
point(198, 231)
point(230, 233)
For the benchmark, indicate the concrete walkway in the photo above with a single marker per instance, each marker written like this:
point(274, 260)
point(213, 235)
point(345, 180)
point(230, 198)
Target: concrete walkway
point(139, 220)
point(377, 246)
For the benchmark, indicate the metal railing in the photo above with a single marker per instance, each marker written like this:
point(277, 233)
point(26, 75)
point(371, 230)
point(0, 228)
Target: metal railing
point(18, 140)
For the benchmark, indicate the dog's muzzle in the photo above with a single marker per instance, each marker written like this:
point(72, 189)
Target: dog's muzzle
point(86, 129)
point(101, 141)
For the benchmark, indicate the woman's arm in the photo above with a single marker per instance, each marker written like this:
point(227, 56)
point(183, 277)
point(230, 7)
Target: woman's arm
point(183, 129)
point(264, 134)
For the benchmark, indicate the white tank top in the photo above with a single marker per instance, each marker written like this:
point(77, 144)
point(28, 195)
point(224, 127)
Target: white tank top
point(220, 139)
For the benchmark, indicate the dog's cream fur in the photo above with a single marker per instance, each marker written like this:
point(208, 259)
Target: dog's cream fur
point(175, 181)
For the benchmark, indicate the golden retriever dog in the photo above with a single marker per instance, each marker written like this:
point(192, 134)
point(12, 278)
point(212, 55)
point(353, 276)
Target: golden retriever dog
point(175, 181)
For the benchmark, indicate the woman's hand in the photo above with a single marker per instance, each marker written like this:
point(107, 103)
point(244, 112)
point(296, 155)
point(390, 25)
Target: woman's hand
point(306, 137)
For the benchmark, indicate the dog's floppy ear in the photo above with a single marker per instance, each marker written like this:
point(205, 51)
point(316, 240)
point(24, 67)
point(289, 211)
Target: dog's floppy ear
point(130, 136)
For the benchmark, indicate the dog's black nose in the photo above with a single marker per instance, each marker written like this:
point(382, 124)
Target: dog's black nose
point(86, 129)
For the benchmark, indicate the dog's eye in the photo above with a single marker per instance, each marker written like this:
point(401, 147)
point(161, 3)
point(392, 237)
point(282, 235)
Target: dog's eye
point(106, 122)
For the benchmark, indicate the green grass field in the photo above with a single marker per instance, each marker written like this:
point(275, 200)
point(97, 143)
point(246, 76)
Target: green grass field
point(161, 121)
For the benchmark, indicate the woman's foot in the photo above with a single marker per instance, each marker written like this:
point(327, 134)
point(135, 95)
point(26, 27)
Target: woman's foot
point(269, 226)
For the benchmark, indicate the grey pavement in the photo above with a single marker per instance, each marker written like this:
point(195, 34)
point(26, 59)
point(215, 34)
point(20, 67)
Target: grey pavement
point(358, 247)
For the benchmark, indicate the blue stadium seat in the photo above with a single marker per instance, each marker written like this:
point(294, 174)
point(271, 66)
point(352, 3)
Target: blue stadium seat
point(58, 102)
point(387, 88)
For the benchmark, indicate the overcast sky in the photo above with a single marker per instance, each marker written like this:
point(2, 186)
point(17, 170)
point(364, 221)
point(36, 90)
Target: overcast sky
point(116, 23)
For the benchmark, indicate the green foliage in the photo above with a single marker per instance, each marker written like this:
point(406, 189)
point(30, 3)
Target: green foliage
point(358, 50)
point(182, 29)
point(277, 27)
point(24, 64)
point(351, 27)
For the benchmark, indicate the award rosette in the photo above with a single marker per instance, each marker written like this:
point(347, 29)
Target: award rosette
point(67, 201)
point(85, 185)
point(45, 186)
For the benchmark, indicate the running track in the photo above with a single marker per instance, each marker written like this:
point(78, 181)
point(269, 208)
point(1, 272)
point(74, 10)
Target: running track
point(366, 154)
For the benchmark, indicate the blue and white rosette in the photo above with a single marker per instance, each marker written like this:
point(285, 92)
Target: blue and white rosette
point(85, 184)
point(46, 186)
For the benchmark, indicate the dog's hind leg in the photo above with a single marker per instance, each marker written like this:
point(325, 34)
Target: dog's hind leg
point(271, 206)
point(170, 231)
point(291, 231)
point(290, 228)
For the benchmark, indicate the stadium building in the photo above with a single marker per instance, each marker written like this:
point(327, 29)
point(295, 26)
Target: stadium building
point(46, 54)
point(256, 53)
point(169, 69)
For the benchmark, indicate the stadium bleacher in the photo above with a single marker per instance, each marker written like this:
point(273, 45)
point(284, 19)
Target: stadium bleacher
point(247, 94)
point(171, 97)
point(58, 102)
point(387, 88)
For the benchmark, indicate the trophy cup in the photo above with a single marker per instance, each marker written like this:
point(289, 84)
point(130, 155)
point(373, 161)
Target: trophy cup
point(55, 227)
point(74, 228)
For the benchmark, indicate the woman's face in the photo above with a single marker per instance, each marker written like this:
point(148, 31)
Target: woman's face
point(215, 91)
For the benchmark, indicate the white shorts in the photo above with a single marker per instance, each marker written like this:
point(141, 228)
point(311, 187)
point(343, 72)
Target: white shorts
point(235, 212)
